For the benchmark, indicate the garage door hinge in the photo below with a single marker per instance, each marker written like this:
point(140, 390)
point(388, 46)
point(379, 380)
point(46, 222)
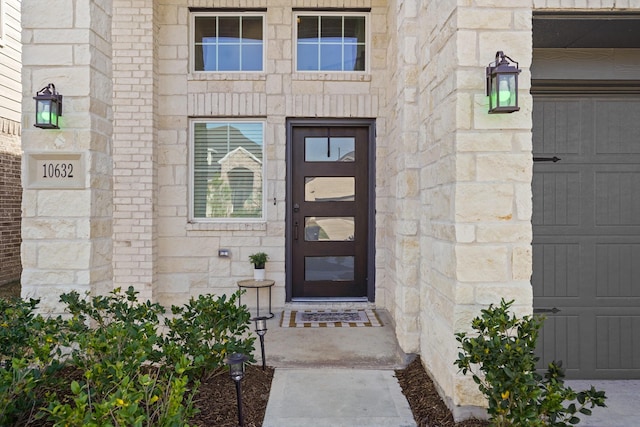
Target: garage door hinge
point(553, 310)
point(546, 159)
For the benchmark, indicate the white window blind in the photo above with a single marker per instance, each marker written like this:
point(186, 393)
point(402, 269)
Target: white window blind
point(228, 170)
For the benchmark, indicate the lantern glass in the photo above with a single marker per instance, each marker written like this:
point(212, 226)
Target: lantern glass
point(261, 325)
point(236, 366)
point(506, 90)
point(47, 113)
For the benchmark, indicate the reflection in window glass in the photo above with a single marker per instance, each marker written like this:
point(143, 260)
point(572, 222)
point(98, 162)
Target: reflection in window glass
point(335, 229)
point(331, 43)
point(228, 169)
point(329, 149)
point(228, 43)
point(334, 268)
point(330, 189)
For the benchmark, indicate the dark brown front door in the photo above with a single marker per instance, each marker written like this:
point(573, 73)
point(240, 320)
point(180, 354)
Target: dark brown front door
point(329, 211)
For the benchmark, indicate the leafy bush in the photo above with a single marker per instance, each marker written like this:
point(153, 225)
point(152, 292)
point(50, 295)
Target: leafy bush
point(209, 329)
point(120, 370)
point(502, 361)
point(28, 344)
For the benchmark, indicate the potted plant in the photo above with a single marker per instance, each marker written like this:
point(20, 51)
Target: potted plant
point(259, 259)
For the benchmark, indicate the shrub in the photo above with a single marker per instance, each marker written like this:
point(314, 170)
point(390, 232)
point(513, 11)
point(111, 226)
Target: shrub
point(28, 344)
point(502, 361)
point(122, 382)
point(209, 329)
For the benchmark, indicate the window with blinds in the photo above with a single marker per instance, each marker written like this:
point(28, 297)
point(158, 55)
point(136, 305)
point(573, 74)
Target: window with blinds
point(228, 170)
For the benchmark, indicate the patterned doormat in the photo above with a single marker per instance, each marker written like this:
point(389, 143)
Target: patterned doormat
point(329, 318)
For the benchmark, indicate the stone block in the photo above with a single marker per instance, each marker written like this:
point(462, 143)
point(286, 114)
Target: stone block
point(482, 263)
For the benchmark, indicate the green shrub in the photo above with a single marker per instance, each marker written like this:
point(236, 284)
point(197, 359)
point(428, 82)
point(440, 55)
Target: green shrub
point(28, 346)
point(209, 329)
point(118, 355)
point(502, 361)
point(121, 370)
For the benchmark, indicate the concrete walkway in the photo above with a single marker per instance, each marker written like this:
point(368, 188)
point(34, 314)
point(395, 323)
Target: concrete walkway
point(339, 377)
point(332, 397)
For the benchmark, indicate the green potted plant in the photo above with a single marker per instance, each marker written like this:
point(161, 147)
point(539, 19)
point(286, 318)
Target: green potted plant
point(259, 259)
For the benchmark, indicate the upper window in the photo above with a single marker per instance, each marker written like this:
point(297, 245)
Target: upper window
point(227, 169)
point(228, 42)
point(331, 42)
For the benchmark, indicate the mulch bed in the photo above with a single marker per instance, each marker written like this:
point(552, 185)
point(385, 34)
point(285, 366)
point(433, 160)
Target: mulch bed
point(428, 408)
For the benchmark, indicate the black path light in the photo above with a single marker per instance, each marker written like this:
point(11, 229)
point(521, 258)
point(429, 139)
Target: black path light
point(261, 330)
point(236, 363)
point(502, 85)
point(48, 107)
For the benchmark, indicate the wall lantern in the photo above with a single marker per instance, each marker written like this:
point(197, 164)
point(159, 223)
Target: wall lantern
point(502, 85)
point(48, 107)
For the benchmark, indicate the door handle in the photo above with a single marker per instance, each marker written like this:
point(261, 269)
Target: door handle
point(553, 310)
point(296, 207)
point(295, 231)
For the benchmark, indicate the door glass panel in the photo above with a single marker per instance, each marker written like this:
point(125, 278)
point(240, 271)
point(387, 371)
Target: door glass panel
point(329, 149)
point(329, 229)
point(329, 189)
point(334, 268)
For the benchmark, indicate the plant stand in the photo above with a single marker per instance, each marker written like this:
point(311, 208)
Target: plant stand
point(257, 285)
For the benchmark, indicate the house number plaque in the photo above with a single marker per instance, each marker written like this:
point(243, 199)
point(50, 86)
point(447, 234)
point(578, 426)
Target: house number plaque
point(55, 170)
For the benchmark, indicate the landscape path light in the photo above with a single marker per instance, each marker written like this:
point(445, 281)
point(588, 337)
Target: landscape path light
point(236, 363)
point(261, 330)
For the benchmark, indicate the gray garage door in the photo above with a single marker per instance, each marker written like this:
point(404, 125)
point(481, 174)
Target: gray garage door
point(586, 227)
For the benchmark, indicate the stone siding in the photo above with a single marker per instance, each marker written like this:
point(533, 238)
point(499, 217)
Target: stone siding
point(452, 188)
point(66, 233)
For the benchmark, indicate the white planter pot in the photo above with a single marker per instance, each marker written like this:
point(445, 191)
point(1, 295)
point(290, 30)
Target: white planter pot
point(258, 273)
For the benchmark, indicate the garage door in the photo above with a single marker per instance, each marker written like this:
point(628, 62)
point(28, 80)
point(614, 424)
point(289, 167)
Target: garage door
point(586, 227)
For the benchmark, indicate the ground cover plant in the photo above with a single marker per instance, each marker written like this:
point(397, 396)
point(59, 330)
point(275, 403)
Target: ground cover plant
point(500, 356)
point(108, 363)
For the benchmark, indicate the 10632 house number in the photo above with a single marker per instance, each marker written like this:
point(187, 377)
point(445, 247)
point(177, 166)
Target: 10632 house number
point(57, 170)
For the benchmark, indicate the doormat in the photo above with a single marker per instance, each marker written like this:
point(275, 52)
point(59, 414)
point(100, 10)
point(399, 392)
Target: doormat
point(329, 318)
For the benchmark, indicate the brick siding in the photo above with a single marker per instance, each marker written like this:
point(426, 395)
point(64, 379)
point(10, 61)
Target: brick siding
point(10, 201)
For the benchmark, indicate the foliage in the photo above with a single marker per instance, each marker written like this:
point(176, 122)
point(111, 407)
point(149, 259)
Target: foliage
point(128, 373)
point(209, 329)
point(28, 345)
point(259, 259)
point(502, 361)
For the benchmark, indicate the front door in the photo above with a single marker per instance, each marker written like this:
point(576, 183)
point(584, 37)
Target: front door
point(328, 220)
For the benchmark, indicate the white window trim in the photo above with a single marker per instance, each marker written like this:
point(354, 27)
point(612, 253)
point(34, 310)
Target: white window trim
point(192, 217)
point(367, 64)
point(192, 41)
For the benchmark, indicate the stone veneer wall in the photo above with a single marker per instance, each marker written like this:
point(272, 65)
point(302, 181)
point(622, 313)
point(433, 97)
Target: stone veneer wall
point(67, 232)
point(187, 252)
point(11, 197)
point(475, 179)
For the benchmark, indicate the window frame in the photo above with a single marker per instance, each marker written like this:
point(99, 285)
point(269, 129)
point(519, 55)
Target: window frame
point(191, 152)
point(215, 14)
point(341, 14)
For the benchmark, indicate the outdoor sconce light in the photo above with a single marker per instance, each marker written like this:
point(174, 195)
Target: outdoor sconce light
point(502, 85)
point(48, 107)
point(236, 363)
point(261, 330)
